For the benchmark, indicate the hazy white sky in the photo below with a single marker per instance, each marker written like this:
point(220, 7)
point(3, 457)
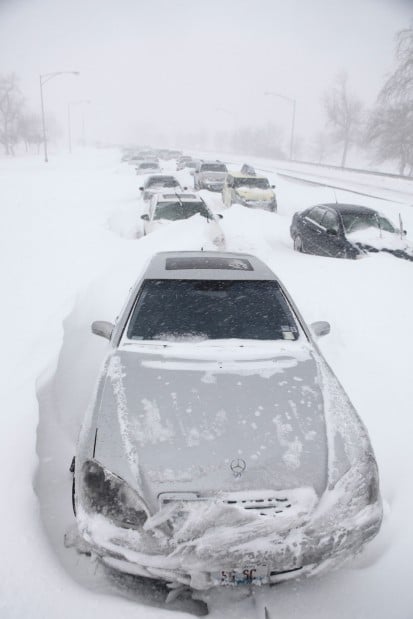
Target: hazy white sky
point(165, 66)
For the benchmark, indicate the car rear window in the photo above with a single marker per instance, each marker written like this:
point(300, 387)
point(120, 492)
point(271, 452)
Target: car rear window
point(182, 310)
point(231, 264)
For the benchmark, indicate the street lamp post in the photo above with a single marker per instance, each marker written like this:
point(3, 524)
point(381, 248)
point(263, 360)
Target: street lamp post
point(44, 78)
point(69, 121)
point(291, 100)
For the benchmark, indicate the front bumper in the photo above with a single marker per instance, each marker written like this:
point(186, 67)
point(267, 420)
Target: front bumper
point(260, 204)
point(280, 554)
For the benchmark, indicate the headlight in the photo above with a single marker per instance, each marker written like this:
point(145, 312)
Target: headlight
point(240, 199)
point(107, 494)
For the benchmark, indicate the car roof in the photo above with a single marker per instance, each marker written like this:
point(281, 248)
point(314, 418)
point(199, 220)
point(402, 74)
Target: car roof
point(161, 177)
point(168, 196)
point(244, 175)
point(348, 208)
point(209, 161)
point(207, 265)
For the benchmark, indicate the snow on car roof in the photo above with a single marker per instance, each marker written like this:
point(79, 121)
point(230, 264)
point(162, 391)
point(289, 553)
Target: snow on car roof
point(207, 265)
point(181, 196)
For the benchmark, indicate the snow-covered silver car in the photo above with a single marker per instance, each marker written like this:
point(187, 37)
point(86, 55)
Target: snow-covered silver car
point(210, 175)
point(220, 449)
point(156, 183)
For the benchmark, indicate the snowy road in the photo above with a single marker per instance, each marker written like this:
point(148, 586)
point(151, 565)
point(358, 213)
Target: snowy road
point(69, 255)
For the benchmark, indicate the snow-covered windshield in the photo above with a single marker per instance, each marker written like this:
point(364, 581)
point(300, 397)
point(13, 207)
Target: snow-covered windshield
point(211, 310)
point(353, 222)
point(247, 182)
point(213, 167)
point(163, 181)
point(149, 165)
point(175, 210)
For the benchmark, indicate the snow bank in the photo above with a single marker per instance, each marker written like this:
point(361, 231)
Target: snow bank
point(58, 236)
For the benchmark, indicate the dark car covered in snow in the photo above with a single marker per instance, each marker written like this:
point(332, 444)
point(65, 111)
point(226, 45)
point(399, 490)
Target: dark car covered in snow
point(347, 231)
point(220, 449)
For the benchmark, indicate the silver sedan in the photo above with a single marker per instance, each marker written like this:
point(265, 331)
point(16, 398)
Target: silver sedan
point(220, 449)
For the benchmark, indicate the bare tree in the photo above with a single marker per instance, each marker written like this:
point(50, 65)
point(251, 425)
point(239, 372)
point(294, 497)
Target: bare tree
point(398, 87)
point(11, 105)
point(30, 130)
point(390, 126)
point(320, 146)
point(390, 130)
point(344, 114)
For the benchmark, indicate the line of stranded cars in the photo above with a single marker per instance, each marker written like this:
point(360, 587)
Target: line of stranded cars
point(334, 230)
point(220, 448)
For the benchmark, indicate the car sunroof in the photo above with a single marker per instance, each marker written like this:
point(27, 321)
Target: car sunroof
point(232, 264)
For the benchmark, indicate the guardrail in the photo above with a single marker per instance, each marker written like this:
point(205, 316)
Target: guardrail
point(346, 169)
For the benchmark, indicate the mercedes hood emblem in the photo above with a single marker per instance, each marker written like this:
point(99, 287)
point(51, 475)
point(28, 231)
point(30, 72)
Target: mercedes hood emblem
point(238, 466)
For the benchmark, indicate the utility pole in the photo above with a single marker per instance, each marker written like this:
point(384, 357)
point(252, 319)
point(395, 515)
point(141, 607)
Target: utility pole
point(44, 78)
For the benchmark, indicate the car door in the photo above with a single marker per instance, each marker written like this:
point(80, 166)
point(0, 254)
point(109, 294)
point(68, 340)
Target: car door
point(151, 210)
point(311, 230)
point(331, 238)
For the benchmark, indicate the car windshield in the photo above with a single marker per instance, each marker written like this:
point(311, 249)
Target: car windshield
point(180, 310)
point(260, 183)
point(213, 167)
point(163, 181)
point(175, 210)
point(353, 222)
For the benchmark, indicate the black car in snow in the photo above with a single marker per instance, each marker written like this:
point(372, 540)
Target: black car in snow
point(347, 231)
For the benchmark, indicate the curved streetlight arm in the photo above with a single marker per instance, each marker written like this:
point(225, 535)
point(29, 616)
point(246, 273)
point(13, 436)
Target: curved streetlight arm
point(46, 77)
point(276, 94)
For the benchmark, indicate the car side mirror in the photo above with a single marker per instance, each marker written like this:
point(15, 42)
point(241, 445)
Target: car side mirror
point(220, 216)
point(185, 188)
point(145, 217)
point(320, 328)
point(272, 186)
point(404, 232)
point(331, 232)
point(103, 328)
point(140, 188)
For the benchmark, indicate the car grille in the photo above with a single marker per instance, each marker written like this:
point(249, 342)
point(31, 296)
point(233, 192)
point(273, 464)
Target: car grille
point(271, 504)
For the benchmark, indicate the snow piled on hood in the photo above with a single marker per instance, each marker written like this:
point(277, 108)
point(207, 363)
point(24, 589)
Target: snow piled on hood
point(379, 239)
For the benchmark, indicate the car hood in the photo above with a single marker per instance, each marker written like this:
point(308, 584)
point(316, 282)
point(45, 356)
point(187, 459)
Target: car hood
point(379, 240)
point(173, 421)
point(255, 193)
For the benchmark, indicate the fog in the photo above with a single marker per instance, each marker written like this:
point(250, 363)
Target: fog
point(156, 70)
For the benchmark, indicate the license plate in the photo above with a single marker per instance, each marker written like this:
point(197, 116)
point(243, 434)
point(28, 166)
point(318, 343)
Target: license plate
point(257, 575)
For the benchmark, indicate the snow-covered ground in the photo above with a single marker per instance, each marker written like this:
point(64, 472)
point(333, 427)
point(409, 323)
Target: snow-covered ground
point(69, 253)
